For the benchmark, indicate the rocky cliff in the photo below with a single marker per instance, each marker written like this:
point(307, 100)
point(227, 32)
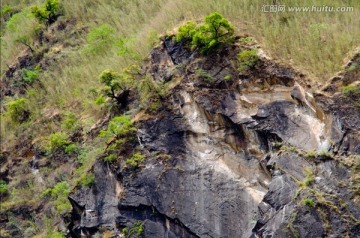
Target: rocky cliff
point(254, 153)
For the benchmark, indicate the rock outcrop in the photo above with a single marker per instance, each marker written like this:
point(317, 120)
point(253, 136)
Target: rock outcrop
point(231, 154)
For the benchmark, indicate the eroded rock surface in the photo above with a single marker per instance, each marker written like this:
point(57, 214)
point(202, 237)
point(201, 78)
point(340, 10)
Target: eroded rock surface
point(215, 166)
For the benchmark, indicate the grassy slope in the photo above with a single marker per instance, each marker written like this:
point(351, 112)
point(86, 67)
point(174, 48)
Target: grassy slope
point(317, 43)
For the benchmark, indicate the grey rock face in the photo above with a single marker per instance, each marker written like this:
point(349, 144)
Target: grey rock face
point(224, 174)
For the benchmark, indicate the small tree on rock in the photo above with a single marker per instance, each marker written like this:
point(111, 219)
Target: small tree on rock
point(49, 12)
point(116, 86)
point(215, 31)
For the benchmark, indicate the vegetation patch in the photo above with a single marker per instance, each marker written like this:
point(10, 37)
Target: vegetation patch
point(135, 160)
point(3, 188)
point(49, 12)
point(60, 193)
point(135, 231)
point(18, 110)
point(247, 59)
point(351, 91)
point(214, 32)
point(309, 202)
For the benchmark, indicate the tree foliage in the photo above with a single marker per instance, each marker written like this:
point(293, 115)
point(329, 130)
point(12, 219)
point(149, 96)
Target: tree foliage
point(215, 31)
point(116, 85)
point(49, 12)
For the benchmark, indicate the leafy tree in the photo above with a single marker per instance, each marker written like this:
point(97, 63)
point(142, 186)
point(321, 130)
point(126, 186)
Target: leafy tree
point(49, 12)
point(215, 30)
point(116, 86)
point(25, 40)
point(186, 32)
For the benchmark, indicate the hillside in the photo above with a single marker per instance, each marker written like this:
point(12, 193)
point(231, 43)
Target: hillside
point(124, 119)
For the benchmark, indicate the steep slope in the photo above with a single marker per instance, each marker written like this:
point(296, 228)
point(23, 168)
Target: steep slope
point(232, 154)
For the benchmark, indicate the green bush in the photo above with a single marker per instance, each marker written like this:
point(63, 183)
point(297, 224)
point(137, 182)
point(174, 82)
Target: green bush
point(135, 231)
point(70, 122)
point(215, 31)
point(58, 140)
point(119, 128)
point(309, 202)
point(59, 193)
point(49, 12)
point(29, 76)
point(110, 158)
point(247, 59)
point(87, 180)
point(100, 38)
point(3, 187)
point(135, 160)
point(71, 148)
point(18, 110)
point(186, 32)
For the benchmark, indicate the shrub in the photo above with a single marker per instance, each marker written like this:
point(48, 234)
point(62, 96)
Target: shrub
point(120, 128)
point(151, 92)
point(110, 158)
point(71, 148)
point(49, 12)
point(248, 59)
point(17, 110)
point(87, 180)
point(29, 76)
point(99, 38)
point(135, 231)
point(202, 74)
point(215, 31)
point(309, 202)
point(3, 187)
point(135, 160)
point(58, 140)
point(70, 122)
point(60, 193)
point(116, 86)
point(351, 90)
point(186, 32)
